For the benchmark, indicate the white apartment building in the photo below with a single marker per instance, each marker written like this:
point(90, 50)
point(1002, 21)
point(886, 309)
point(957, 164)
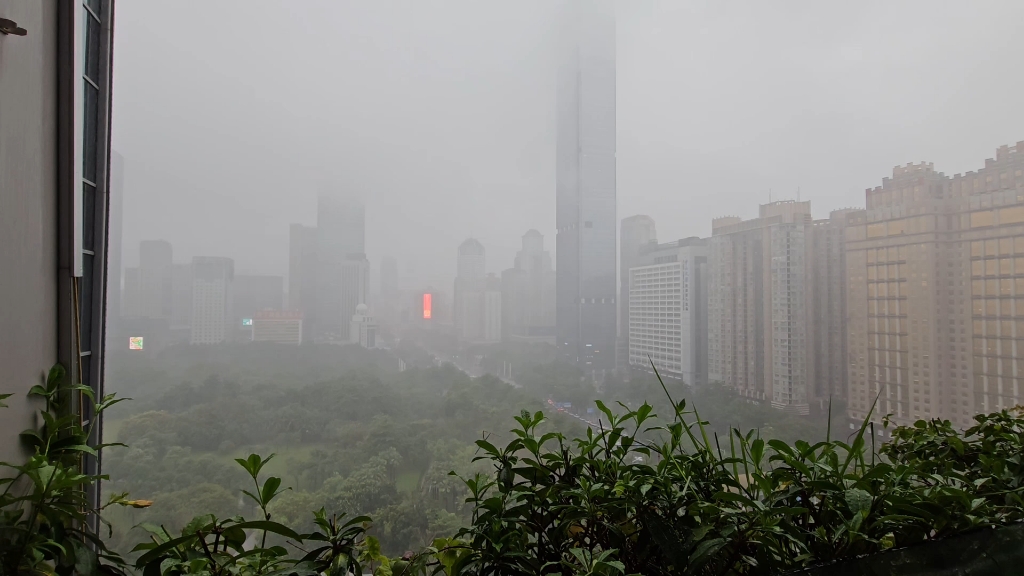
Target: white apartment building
point(668, 310)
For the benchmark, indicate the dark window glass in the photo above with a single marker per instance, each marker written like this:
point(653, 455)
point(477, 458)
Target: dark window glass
point(88, 216)
point(91, 50)
point(85, 301)
point(89, 137)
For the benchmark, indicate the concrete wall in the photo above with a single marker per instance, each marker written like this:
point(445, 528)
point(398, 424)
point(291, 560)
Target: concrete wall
point(28, 211)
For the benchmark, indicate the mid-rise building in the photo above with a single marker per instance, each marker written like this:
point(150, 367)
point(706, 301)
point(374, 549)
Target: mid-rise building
point(585, 187)
point(935, 329)
point(363, 328)
point(667, 316)
point(528, 294)
point(211, 299)
point(635, 232)
point(278, 326)
point(760, 294)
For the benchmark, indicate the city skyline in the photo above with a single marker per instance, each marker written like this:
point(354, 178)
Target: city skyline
point(698, 137)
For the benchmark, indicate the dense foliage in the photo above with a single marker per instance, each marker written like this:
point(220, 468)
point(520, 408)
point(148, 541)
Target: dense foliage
point(632, 494)
point(45, 512)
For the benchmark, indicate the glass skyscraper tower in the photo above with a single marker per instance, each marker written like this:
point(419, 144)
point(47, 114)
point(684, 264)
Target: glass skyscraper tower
point(585, 186)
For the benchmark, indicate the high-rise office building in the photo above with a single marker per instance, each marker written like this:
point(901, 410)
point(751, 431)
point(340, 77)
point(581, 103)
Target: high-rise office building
point(528, 293)
point(211, 299)
point(936, 295)
point(55, 95)
point(829, 307)
point(585, 186)
point(156, 265)
point(760, 293)
point(667, 316)
point(342, 270)
point(635, 233)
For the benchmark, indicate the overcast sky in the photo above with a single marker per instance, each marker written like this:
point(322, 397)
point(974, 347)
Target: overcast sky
point(232, 115)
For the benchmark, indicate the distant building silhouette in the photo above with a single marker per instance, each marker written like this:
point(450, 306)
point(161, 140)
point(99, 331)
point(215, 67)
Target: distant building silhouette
point(585, 186)
point(212, 279)
point(342, 269)
point(528, 293)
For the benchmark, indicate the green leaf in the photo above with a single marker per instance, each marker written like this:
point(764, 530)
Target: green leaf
point(269, 526)
point(858, 500)
point(270, 489)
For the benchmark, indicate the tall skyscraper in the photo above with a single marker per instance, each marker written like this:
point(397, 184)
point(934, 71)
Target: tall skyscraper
point(585, 186)
point(342, 269)
point(760, 295)
point(667, 317)
point(528, 293)
point(155, 271)
point(936, 295)
point(635, 233)
point(211, 299)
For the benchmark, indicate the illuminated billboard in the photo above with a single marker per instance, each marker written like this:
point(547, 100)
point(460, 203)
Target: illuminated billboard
point(246, 321)
point(135, 343)
point(426, 306)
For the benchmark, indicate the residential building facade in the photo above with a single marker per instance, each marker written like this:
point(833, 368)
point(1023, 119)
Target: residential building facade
point(934, 325)
point(760, 288)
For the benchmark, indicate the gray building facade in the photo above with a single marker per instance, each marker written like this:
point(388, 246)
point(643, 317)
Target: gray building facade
point(54, 189)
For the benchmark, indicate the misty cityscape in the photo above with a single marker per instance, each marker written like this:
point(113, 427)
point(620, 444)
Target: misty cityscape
point(385, 251)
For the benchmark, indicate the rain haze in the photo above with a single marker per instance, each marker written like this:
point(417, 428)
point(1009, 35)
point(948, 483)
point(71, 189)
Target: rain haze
point(441, 115)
